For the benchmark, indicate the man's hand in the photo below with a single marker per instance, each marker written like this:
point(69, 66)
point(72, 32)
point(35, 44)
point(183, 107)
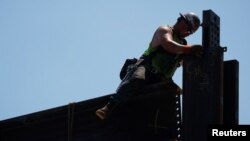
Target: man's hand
point(196, 50)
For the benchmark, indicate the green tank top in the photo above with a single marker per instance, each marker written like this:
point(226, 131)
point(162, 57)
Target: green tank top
point(162, 61)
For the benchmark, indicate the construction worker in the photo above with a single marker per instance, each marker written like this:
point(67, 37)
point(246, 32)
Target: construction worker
point(159, 62)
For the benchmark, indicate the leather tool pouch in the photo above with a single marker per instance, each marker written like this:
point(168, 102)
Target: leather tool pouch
point(127, 66)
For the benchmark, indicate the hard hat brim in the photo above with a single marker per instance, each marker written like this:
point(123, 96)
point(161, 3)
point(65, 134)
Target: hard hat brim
point(182, 16)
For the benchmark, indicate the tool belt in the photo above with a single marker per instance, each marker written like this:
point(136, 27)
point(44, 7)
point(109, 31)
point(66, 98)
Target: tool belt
point(129, 66)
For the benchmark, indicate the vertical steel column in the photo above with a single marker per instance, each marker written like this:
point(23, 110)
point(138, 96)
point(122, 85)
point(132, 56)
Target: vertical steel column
point(203, 83)
point(231, 93)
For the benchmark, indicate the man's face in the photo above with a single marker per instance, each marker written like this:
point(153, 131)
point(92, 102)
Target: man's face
point(186, 29)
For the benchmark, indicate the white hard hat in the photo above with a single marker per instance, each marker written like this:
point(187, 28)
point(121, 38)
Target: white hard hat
point(192, 19)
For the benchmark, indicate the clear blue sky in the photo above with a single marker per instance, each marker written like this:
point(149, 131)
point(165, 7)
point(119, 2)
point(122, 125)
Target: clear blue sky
point(53, 52)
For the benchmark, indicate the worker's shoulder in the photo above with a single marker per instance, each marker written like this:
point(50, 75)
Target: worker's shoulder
point(164, 28)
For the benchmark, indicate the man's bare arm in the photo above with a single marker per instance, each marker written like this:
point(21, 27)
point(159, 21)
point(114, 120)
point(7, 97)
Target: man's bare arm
point(166, 40)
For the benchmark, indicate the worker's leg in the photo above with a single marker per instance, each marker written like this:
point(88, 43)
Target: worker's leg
point(125, 90)
point(129, 86)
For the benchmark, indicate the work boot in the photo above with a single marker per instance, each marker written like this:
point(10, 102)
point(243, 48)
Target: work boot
point(105, 111)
